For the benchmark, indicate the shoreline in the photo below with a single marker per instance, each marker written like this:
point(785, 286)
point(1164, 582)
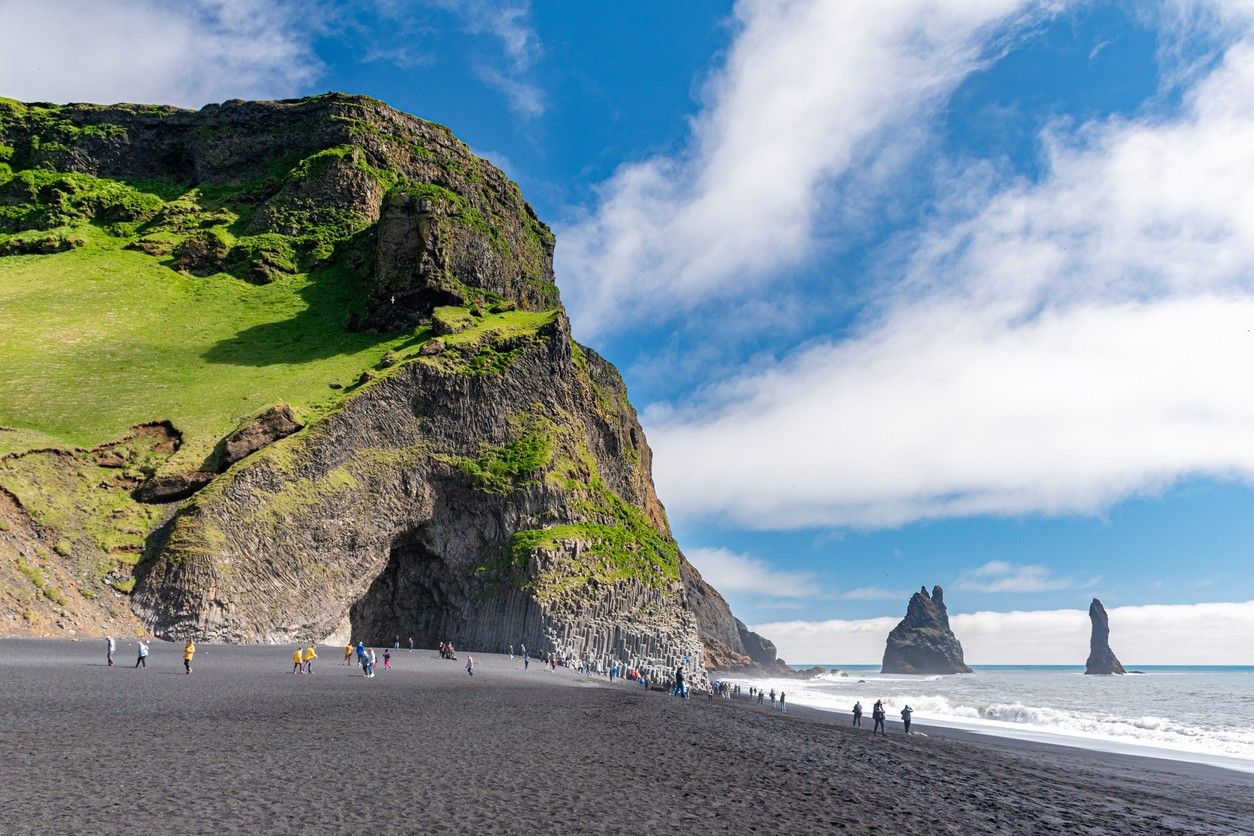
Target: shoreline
point(244, 744)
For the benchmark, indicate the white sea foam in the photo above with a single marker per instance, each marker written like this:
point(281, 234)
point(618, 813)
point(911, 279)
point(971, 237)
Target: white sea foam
point(1202, 716)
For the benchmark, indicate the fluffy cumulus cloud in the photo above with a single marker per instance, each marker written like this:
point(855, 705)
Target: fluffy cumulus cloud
point(730, 572)
point(812, 94)
point(186, 53)
point(1048, 346)
point(1182, 634)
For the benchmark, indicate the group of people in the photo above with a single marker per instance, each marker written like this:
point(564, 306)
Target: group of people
point(879, 715)
point(142, 651)
point(303, 659)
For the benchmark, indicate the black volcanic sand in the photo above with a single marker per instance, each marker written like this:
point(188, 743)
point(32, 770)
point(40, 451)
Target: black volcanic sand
point(244, 745)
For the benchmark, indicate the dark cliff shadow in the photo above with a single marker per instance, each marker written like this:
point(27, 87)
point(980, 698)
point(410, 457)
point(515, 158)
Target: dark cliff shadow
point(316, 332)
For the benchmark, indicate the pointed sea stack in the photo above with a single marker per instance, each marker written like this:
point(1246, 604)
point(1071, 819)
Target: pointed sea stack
point(923, 643)
point(1102, 659)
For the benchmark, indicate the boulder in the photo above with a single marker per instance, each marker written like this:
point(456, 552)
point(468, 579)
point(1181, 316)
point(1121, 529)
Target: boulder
point(1101, 659)
point(268, 427)
point(172, 487)
point(923, 643)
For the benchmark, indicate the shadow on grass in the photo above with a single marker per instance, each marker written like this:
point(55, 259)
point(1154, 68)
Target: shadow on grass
point(317, 332)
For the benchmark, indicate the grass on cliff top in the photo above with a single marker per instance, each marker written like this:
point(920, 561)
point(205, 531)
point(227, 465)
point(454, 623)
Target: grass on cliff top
point(98, 339)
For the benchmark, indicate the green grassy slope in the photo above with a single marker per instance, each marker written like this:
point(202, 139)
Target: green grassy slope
point(97, 339)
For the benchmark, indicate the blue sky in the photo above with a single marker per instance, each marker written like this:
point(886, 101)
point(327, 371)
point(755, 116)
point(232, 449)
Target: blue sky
point(953, 292)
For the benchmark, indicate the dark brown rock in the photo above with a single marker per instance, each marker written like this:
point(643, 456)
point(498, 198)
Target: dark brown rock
point(172, 487)
point(1101, 659)
point(268, 427)
point(923, 643)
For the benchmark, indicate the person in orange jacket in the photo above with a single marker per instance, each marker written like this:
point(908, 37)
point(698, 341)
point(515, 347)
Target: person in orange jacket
point(296, 660)
point(189, 650)
point(309, 657)
point(348, 652)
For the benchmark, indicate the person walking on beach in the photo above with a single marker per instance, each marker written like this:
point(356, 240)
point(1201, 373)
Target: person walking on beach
point(308, 658)
point(348, 653)
point(761, 694)
point(511, 651)
point(110, 648)
point(374, 660)
point(857, 713)
point(772, 698)
point(298, 659)
point(679, 681)
point(877, 714)
point(396, 646)
point(782, 705)
point(387, 659)
point(411, 644)
point(470, 665)
point(189, 650)
point(905, 717)
point(143, 655)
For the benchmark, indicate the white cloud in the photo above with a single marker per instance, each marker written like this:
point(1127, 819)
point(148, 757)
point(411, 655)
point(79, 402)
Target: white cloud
point(1000, 576)
point(812, 93)
point(509, 22)
point(869, 593)
point(146, 51)
point(730, 572)
point(1049, 347)
point(1159, 634)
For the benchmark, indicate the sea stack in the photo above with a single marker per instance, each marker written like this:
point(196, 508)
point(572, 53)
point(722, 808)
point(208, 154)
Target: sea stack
point(1102, 659)
point(923, 643)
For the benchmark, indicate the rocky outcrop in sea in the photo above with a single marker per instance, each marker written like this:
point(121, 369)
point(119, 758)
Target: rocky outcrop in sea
point(1102, 660)
point(923, 643)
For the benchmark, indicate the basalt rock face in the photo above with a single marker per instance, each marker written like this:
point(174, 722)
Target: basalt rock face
point(294, 184)
point(489, 484)
point(923, 643)
point(1101, 658)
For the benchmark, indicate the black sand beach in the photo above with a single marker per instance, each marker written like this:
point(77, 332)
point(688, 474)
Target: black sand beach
point(244, 745)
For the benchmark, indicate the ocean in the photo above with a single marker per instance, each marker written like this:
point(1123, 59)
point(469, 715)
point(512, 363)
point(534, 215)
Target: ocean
point(1199, 714)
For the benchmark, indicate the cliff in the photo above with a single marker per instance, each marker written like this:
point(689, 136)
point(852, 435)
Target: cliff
point(1101, 659)
point(923, 643)
point(403, 440)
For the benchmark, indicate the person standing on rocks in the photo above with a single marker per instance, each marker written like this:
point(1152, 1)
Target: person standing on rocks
point(189, 650)
point(143, 655)
point(110, 648)
point(857, 713)
point(308, 658)
point(877, 714)
point(905, 717)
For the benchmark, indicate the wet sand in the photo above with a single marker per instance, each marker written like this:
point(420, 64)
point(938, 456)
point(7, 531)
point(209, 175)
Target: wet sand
point(243, 744)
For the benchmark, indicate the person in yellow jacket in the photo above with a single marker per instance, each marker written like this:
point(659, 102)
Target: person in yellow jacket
point(310, 655)
point(189, 650)
point(296, 660)
point(348, 652)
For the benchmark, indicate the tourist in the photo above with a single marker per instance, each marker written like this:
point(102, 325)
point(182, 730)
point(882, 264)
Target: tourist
point(143, 655)
point(189, 650)
point(782, 705)
point(310, 655)
point(298, 659)
point(396, 646)
point(374, 660)
point(877, 714)
point(348, 653)
point(905, 717)
point(364, 659)
point(857, 714)
point(387, 659)
point(511, 651)
point(470, 665)
point(411, 644)
point(110, 648)
point(761, 694)
point(679, 680)
point(361, 653)
point(772, 698)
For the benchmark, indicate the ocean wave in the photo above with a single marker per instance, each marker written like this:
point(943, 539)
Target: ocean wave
point(1148, 730)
